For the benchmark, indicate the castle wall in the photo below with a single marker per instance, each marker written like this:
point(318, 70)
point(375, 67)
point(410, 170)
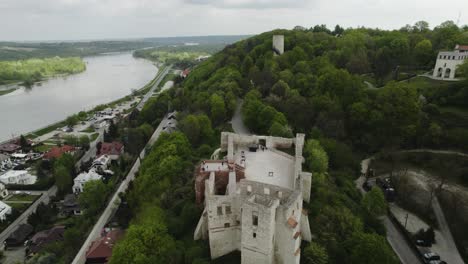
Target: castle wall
point(257, 240)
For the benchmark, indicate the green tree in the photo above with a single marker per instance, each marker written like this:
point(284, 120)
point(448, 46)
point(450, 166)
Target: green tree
point(146, 241)
point(93, 196)
point(190, 127)
point(315, 254)
point(63, 178)
point(423, 52)
point(370, 249)
point(280, 88)
point(218, 109)
point(316, 157)
point(374, 202)
point(84, 141)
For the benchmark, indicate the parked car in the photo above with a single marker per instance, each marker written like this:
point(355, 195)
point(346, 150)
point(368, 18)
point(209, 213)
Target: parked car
point(428, 257)
point(422, 243)
point(437, 262)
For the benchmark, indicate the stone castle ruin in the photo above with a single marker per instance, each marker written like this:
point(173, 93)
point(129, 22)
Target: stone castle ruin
point(253, 199)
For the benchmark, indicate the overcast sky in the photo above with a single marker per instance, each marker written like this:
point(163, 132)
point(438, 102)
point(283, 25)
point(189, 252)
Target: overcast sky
point(104, 19)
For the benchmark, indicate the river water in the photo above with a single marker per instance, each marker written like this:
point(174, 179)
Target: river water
point(107, 78)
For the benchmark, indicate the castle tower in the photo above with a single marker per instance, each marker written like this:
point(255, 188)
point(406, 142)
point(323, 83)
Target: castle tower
point(278, 45)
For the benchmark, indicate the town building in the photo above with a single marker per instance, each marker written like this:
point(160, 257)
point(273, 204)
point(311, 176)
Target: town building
point(9, 148)
point(5, 162)
point(448, 61)
point(254, 199)
point(3, 191)
point(57, 152)
point(100, 250)
point(113, 149)
point(278, 45)
point(83, 178)
point(102, 163)
point(5, 210)
point(43, 238)
point(69, 206)
point(18, 177)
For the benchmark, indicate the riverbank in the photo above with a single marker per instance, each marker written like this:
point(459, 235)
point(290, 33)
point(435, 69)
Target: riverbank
point(131, 98)
point(31, 71)
point(107, 79)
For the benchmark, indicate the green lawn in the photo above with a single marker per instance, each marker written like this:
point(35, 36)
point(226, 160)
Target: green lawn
point(48, 129)
point(43, 148)
point(168, 77)
point(22, 197)
point(94, 136)
point(20, 207)
point(88, 130)
point(3, 92)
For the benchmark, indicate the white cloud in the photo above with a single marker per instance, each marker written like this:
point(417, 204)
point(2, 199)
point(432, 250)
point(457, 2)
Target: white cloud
point(253, 4)
point(97, 19)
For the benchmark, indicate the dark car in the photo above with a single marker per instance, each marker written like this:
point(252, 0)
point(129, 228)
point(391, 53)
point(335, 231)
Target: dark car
point(430, 257)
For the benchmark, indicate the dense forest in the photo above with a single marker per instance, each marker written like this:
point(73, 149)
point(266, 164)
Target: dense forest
point(316, 87)
point(32, 70)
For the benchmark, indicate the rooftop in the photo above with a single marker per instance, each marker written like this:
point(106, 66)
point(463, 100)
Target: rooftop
point(9, 147)
point(102, 247)
point(88, 176)
point(267, 166)
point(114, 148)
point(57, 152)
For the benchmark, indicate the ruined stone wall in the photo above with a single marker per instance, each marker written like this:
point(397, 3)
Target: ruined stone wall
point(257, 242)
point(223, 224)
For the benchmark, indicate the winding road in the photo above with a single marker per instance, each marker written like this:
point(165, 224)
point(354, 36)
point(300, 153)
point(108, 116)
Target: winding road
point(396, 239)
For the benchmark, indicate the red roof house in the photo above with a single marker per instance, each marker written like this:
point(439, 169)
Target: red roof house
point(113, 150)
point(100, 250)
point(185, 73)
point(461, 47)
point(57, 152)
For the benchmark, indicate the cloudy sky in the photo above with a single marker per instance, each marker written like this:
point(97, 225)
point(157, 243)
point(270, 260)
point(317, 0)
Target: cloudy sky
point(104, 19)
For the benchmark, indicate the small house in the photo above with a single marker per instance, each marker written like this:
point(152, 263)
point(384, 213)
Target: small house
point(57, 152)
point(3, 191)
point(113, 149)
point(18, 177)
point(83, 178)
point(100, 250)
point(5, 210)
point(69, 206)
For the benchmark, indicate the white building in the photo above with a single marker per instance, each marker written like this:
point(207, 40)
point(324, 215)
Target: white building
point(5, 210)
point(254, 199)
point(3, 191)
point(5, 162)
point(17, 177)
point(278, 45)
point(83, 178)
point(101, 163)
point(448, 61)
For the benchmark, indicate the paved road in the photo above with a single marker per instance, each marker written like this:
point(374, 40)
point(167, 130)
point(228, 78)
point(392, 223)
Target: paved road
point(394, 237)
point(23, 218)
point(155, 86)
point(91, 153)
point(237, 122)
point(114, 203)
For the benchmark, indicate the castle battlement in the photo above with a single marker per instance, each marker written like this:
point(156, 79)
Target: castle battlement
point(253, 199)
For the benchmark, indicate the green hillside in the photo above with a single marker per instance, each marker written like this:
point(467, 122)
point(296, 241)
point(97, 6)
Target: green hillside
point(316, 87)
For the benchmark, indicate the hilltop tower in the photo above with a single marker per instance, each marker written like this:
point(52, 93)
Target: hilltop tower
point(278, 45)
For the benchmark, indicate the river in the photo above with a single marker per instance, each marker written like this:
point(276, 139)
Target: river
point(107, 78)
